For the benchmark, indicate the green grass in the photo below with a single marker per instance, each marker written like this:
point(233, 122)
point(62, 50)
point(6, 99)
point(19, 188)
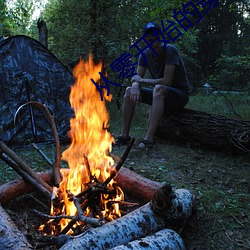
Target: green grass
point(234, 106)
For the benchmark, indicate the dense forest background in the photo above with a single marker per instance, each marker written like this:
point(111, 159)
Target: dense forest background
point(216, 49)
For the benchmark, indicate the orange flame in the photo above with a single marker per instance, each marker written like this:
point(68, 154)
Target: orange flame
point(90, 138)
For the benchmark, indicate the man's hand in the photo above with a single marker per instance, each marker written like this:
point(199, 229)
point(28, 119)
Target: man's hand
point(135, 93)
point(136, 78)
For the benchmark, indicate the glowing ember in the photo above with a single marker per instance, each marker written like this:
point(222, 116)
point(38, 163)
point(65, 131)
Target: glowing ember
point(87, 157)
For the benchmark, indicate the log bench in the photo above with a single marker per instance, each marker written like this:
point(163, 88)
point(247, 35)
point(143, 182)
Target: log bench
point(211, 131)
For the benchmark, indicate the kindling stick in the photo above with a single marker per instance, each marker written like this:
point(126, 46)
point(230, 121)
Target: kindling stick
point(25, 176)
point(23, 165)
point(120, 163)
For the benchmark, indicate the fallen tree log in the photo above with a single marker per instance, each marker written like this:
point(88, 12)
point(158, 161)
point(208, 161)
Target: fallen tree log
point(150, 218)
point(163, 239)
point(131, 182)
point(10, 237)
point(212, 131)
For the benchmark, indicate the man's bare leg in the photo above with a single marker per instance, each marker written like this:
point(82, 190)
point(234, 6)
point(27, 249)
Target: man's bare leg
point(128, 110)
point(156, 112)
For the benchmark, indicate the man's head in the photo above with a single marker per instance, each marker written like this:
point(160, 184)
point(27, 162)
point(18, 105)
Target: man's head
point(149, 30)
point(150, 27)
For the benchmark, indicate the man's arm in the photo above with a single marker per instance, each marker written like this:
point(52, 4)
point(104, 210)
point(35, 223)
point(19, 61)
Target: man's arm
point(167, 79)
point(135, 93)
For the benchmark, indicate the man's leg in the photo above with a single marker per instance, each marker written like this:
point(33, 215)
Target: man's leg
point(127, 113)
point(156, 112)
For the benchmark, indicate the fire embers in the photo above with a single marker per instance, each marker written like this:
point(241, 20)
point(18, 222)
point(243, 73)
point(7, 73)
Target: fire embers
point(95, 206)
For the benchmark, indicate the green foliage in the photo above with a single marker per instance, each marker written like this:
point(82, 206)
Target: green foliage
point(213, 49)
point(232, 72)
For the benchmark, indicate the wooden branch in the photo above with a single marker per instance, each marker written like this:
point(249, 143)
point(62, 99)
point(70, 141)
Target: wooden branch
point(120, 163)
point(23, 165)
point(26, 176)
point(10, 237)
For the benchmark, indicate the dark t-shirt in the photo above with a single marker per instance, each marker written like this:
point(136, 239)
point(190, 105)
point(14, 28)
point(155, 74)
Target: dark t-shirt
point(171, 56)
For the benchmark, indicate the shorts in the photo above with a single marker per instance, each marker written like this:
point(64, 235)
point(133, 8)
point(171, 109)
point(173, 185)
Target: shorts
point(175, 99)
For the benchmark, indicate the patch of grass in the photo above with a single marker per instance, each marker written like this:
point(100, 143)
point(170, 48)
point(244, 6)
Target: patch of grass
point(233, 106)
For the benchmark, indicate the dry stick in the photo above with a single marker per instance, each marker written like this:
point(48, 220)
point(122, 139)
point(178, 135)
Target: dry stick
point(57, 174)
point(25, 176)
point(120, 163)
point(24, 166)
point(84, 206)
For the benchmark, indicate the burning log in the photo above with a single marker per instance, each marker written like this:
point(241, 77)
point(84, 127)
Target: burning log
point(216, 132)
point(167, 209)
point(163, 239)
point(10, 237)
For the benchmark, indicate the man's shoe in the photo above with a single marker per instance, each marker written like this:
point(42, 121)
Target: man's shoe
point(121, 141)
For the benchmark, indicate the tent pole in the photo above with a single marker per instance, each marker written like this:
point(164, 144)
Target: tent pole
point(33, 125)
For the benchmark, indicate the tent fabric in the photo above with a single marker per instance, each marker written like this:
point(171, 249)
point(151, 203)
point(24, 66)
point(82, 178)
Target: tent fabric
point(29, 71)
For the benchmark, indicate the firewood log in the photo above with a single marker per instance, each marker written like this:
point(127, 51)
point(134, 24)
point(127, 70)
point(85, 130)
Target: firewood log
point(10, 237)
point(163, 239)
point(131, 182)
point(166, 208)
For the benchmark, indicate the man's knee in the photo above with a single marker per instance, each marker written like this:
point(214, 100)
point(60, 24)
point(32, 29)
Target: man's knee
point(127, 92)
point(159, 91)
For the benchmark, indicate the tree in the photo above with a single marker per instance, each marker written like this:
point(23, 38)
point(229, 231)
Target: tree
point(224, 37)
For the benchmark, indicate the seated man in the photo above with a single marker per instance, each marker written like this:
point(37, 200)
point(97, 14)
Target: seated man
point(169, 87)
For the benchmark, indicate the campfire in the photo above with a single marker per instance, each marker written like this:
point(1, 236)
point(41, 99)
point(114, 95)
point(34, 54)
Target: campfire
point(87, 198)
point(87, 188)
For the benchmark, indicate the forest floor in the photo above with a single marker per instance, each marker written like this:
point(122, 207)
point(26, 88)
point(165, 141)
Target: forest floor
point(219, 180)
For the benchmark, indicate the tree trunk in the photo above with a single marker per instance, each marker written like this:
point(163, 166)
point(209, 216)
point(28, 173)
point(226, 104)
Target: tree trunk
point(212, 131)
point(10, 237)
point(43, 32)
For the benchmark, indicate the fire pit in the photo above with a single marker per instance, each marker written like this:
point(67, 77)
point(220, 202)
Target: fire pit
point(86, 198)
